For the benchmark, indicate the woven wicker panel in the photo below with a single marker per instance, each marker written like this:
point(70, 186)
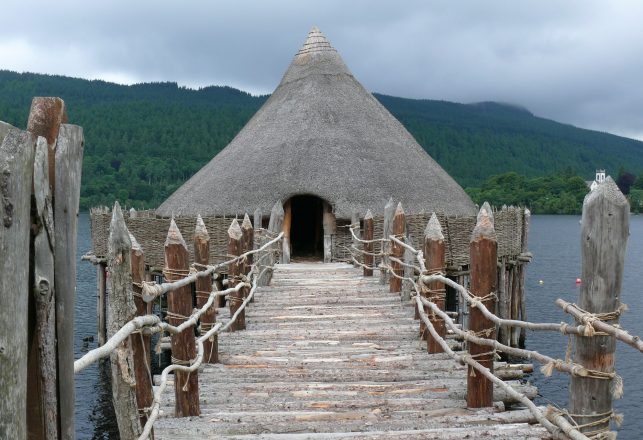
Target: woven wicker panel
point(341, 242)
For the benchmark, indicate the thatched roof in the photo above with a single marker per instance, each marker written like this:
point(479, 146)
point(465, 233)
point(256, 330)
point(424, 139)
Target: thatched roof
point(320, 133)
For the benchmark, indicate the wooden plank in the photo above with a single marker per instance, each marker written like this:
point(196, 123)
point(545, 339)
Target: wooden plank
point(16, 173)
point(179, 308)
point(121, 311)
point(69, 158)
point(483, 261)
point(604, 233)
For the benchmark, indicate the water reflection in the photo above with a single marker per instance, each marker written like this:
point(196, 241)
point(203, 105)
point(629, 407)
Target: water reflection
point(102, 416)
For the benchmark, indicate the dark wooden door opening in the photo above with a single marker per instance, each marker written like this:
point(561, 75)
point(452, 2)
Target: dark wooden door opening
point(306, 232)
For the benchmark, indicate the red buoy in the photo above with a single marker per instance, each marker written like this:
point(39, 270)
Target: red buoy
point(578, 281)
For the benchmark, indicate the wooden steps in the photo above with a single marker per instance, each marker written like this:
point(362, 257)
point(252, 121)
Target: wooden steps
point(329, 354)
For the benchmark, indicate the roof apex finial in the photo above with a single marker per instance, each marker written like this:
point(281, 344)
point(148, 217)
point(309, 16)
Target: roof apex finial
point(315, 42)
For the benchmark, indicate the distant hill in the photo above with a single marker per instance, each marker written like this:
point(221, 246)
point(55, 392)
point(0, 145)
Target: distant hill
point(143, 141)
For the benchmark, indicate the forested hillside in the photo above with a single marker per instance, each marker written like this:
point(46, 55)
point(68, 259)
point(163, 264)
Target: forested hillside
point(143, 141)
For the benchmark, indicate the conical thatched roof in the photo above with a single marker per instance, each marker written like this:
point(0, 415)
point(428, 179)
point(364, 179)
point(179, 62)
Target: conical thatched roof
point(320, 133)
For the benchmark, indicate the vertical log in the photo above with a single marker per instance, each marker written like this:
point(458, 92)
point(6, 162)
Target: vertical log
point(398, 229)
point(389, 212)
point(141, 344)
point(69, 158)
point(101, 305)
point(203, 291)
point(16, 172)
point(179, 308)
point(42, 416)
point(234, 274)
point(434, 258)
point(503, 301)
point(408, 271)
point(483, 258)
point(287, 223)
point(247, 244)
point(121, 311)
point(356, 229)
point(256, 221)
point(274, 227)
point(604, 233)
point(523, 269)
point(329, 223)
point(369, 260)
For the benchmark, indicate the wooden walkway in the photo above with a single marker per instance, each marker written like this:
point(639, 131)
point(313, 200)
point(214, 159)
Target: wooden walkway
point(329, 354)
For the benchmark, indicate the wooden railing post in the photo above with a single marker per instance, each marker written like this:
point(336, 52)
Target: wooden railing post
point(356, 230)
point(434, 258)
point(483, 260)
point(247, 244)
point(203, 291)
point(17, 164)
point(101, 302)
point(179, 308)
point(398, 229)
point(140, 342)
point(369, 259)
point(234, 273)
point(121, 311)
point(604, 233)
point(389, 211)
point(274, 226)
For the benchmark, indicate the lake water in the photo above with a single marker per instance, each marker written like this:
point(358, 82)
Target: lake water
point(555, 243)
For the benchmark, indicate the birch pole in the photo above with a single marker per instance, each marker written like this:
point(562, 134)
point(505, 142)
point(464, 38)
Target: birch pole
point(203, 290)
point(483, 259)
point(121, 311)
point(16, 172)
point(604, 232)
point(179, 308)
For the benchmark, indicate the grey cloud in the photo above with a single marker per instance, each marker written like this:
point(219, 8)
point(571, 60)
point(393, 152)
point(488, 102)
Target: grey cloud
point(574, 61)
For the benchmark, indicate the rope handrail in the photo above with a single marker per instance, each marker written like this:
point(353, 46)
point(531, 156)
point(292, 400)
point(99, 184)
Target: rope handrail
point(196, 363)
point(151, 291)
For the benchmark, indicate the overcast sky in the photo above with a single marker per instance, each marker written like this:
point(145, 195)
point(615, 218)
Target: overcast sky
point(579, 62)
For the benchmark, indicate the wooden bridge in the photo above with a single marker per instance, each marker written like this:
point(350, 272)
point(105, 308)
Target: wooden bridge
point(329, 353)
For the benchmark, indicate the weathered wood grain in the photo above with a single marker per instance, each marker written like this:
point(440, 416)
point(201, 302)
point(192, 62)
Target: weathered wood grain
point(121, 311)
point(604, 233)
point(369, 229)
point(69, 157)
point(398, 229)
point(234, 275)
point(203, 289)
point(434, 259)
point(16, 173)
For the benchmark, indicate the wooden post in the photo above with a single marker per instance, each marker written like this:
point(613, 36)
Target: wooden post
point(203, 291)
point(16, 173)
point(369, 260)
point(434, 259)
point(69, 158)
point(408, 271)
point(141, 344)
point(256, 221)
point(483, 260)
point(247, 244)
point(274, 226)
point(287, 223)
point(389, 212)
point(234, 273)
point(604, 232)
point(503, 301)
point(121, 311)
point(179, 308)
point(329, 223)
point(399, 230)
point(42, 401)
point(356, 230)
point(522, 267)
point(101, 303)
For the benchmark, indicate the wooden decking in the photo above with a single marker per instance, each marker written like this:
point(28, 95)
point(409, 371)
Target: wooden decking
point(329, 354)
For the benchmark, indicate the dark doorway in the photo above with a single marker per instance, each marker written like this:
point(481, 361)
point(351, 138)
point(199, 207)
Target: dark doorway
point(306, 233)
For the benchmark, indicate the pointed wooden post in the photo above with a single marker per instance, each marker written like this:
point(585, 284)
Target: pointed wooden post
point(483, 260)
point(121, 311)
point(247, 244)
point(356, 230)
point(179, 308)
point(234, 274)
point(203, 291)
point(369, 259)
point(604, 233)
point(17, 165)
point(141, 343)
point(434, 256)
point(274, 226)
point(389, 212)
point(398, 229)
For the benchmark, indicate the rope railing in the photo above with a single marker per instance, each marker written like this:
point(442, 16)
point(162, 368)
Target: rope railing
point(151, 290)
